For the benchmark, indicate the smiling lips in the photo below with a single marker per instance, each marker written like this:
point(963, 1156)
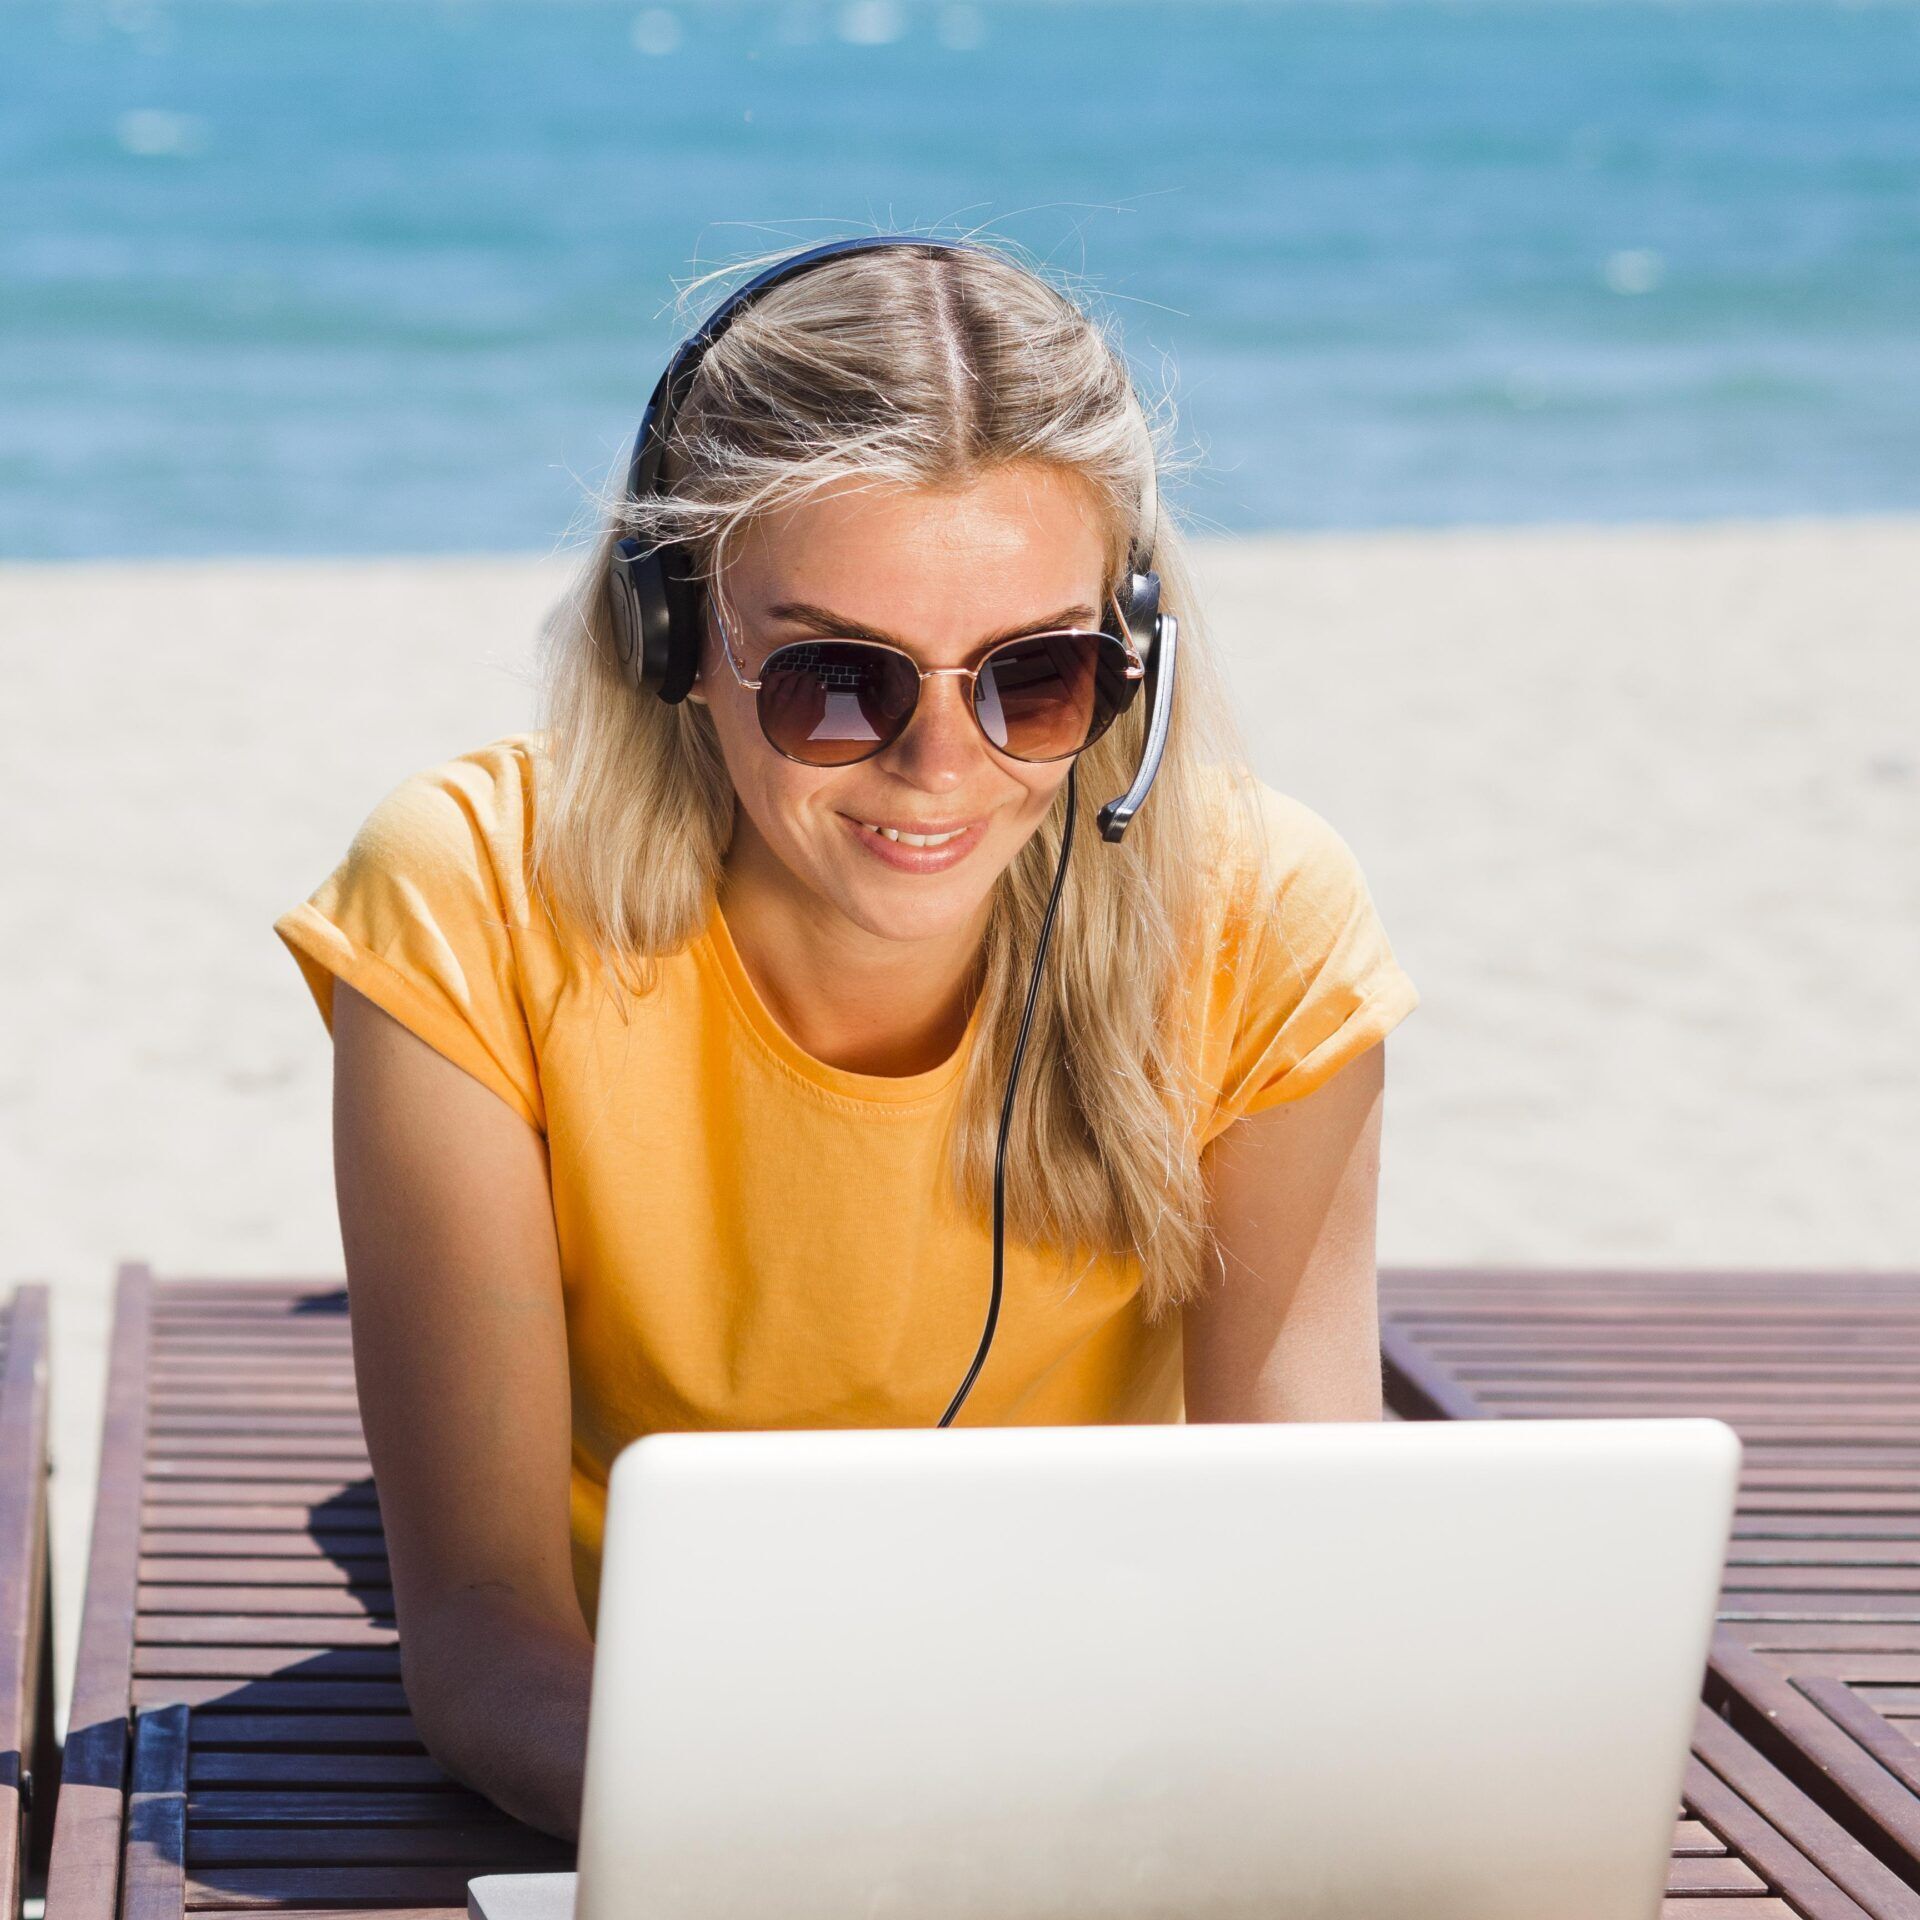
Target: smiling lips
point(910, 851)
point(929, 837)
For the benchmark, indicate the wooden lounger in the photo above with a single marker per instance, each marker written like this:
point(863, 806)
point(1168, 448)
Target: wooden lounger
point(238, 1737)
point(29, 1755)
point(1817, 1658)
point(238, 1609)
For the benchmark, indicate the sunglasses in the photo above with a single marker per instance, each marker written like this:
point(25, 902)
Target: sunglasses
point(1045, 696)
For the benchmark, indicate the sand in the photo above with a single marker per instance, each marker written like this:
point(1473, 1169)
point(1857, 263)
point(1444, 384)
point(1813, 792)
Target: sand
point(1640, 808)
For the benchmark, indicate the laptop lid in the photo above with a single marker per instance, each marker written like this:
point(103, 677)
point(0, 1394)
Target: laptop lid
point(1384, 1672)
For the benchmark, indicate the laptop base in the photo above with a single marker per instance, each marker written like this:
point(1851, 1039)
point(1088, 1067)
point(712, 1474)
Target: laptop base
point(521, 1896)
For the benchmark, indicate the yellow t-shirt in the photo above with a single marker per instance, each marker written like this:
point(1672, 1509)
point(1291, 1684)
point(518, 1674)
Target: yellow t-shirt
point(749, 1237)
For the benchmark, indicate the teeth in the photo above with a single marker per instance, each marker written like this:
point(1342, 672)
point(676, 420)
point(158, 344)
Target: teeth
point(914, 839)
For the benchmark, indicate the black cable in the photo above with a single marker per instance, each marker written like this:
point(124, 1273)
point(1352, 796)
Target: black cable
point(1006, 1108)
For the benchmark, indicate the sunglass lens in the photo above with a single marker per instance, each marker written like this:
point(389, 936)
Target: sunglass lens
point(1052, 695)
point(832, 702)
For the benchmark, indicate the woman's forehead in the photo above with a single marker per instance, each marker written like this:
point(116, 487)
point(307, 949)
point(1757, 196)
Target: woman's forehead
point(1008, 555)
point(802, 613)
point(1027, 516)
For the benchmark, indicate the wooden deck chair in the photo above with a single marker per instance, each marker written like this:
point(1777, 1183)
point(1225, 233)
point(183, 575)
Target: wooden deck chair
point(29, 1752)
point(242, 1740)
point(1816, 1662)
point(239, 1736)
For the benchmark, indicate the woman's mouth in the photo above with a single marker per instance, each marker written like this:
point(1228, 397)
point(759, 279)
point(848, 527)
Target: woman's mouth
point(909, 849)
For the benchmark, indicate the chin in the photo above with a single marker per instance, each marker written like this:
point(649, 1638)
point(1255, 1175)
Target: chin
point(893, 912)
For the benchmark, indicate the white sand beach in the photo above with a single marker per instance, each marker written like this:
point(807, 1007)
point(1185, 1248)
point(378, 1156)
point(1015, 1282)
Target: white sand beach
point(1640, 808)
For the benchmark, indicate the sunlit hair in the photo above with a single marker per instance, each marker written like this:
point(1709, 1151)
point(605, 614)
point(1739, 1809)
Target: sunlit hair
point(915, 370)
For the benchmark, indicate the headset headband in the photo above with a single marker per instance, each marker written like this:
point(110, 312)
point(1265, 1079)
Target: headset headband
point(656, 424)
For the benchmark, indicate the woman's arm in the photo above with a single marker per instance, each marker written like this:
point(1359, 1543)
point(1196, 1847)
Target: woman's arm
point(1292, 1330)
point(460, 1354)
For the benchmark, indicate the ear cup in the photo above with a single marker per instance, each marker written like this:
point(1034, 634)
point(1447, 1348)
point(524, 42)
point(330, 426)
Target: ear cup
point(1138, 600)
point(624, 596)
point(653, 603)
point(682, 603)
point(1142, 604)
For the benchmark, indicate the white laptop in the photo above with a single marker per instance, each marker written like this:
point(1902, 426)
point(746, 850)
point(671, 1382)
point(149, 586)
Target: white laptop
point(1379, 1672)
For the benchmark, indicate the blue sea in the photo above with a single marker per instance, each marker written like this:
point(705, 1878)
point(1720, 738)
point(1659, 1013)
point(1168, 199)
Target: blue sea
point(355, 276)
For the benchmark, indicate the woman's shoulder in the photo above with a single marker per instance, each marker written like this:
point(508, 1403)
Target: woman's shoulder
point(427, 916)
point(1305, 977)
point(463, 824)
point(1277, 858)
point(493, 786)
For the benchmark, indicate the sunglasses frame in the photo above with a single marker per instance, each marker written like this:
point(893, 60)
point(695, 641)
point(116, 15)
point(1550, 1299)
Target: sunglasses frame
point(1136, 670)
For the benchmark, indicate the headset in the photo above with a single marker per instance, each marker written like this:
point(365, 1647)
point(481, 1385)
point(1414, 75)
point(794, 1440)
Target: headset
point(654, 605)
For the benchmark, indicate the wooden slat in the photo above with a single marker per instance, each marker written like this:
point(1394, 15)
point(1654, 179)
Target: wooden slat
point(315, 1567)
point(247, 1630)
point(1831, 1536)
point(278, 1476)
point(261, 1340)
point(29, 1758)
point(499, 1845)
point(298, 1696)
point(1855, 1527)
point(460, 1913)
point(1712, 1907)
point(1725, 1875)
point(1848, 1708)
point(157, 1818)
point(238, 1398)
point(384, 1807)
point(269, 1447)
point(296, 1536)
point(83, 1877)
point(228, 1727)
point(342, 1495)
point(291, 1886)
point(243, 1663)
point(1777, 1637)
point(1791, 1283)
point(1794, 1376)
point(274, 1598)
point(250, 1300)
point(315, 1770)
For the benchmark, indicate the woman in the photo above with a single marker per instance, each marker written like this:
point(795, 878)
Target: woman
point(667, 1077)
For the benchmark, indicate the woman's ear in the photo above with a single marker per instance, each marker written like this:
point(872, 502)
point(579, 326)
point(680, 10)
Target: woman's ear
point(705, 628)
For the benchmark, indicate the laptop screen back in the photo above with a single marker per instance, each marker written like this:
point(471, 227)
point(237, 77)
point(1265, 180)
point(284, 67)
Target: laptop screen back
point(1392, 1672)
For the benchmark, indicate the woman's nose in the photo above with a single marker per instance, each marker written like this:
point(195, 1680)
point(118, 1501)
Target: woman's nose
point(942, 741)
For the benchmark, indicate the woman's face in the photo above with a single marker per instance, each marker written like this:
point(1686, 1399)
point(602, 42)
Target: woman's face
point(942, 574)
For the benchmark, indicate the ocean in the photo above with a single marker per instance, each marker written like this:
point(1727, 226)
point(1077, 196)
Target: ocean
point(385, 276)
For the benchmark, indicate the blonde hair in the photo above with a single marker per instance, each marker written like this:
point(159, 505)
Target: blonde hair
point(918, 369)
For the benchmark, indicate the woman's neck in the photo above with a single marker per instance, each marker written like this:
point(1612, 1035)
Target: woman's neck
point(851, 1000)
